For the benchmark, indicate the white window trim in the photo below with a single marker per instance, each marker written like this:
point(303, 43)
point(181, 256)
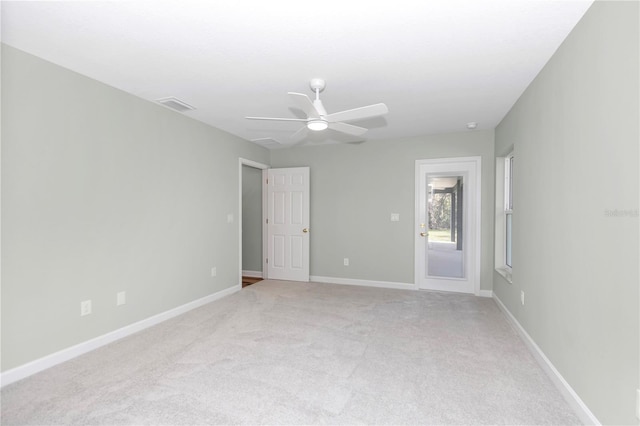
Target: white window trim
point(501, 210)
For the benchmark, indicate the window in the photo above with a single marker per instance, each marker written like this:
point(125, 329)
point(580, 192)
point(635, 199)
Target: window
point(504, 215)
point(508, 208)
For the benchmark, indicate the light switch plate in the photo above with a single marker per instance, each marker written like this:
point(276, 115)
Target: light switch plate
point(85, 307)
point(395, 217)
point(121, 298)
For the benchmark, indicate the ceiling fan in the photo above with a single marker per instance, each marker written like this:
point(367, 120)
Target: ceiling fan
point(318, 119)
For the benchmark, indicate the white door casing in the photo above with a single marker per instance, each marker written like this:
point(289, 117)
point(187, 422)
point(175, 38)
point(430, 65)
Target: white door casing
point(288, 224)
point(469, 168)
point(263, 167)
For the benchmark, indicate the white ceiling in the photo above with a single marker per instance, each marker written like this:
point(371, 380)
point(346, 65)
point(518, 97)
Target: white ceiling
point(436, 64)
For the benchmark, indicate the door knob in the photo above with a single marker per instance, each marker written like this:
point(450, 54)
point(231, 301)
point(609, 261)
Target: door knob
point(305, 230)
point(423, 234)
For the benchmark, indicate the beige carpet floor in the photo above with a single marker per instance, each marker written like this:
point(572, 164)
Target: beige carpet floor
point(304, 353)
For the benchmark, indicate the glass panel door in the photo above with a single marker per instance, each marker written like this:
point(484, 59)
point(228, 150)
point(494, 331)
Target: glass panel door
point(447, 224)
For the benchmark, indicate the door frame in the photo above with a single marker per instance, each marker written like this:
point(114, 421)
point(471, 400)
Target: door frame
point(264, 168)
point(474, 241)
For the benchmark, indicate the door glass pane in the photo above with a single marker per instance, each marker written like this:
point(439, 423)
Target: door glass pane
point(445, 251)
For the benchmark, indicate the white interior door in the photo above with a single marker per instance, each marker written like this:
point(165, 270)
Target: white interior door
point(447, 224)
point(288, 224)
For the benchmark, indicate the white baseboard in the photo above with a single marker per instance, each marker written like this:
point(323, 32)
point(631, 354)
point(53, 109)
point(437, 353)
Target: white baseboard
point(366, 283)
point(63, 355)
point(380, 284)
point(252, 274)
point(572, 398)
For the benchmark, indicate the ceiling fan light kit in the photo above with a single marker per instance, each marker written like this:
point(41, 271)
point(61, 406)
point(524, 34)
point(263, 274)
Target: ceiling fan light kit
point(317, 125)
point(318, 119)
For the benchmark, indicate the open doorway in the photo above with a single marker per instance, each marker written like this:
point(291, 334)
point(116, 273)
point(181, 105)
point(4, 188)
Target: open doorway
point(251, 224)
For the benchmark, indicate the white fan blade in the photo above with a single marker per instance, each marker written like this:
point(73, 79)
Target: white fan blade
point(297, 136)
point(348, 129)
point(304, 103)
point(361, 113)
point(276, 119)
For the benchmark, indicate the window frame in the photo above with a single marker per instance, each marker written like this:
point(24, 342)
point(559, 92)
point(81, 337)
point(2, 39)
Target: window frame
point(508, 212)
point(504, 215)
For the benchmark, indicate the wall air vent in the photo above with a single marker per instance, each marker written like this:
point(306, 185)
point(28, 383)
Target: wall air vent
point(175, 104)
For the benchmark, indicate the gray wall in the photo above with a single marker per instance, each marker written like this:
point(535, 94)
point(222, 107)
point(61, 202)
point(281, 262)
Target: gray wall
point(575, 136)
point(355, 188)
point(251, 219)
point(105, 192)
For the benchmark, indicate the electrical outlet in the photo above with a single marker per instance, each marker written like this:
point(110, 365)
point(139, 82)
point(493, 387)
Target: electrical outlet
point(230, 218)
point(214, 271)
point(346, 261)
point(522, 297)
point(395, 217)
point(85, 308)
point(121, 298)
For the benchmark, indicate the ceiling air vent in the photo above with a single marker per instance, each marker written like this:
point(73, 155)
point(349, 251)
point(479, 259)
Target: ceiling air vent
point(268, 143)
point(175, 104)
